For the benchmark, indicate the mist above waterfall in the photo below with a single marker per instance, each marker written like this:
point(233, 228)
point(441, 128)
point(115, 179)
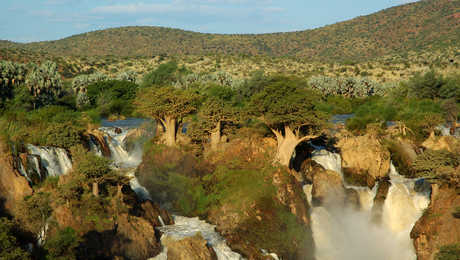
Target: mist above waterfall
point(341, 231)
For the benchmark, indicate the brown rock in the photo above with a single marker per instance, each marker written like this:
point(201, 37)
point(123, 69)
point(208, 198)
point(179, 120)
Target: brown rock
point(152, 213)
point(309, 168)
point(438, 226)
point(189, 248)
point(448, 143)
point(290, 193)
point(139, 240)
point(13, 186)
point(98, 136)
point(327, 188)
point(379, 200)
point(364, 159)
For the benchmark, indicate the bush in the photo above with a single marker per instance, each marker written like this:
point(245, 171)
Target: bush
point(336, 105)
point(9, 245)
point(426, 85)
point(449, 252)
point(435, 163)
point(90, 165)
point(63, 244)
point(374, 110)
point(111, 97)
point(165, 74)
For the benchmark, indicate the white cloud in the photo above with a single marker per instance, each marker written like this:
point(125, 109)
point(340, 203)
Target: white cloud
point(138, 8)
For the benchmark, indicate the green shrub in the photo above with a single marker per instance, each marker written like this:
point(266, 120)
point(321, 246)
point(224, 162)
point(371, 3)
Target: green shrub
point(435, 163)
point(449, 252)
point(111, 97)
point(165, 74)
point(62, 245)
point(336, 105)
point(9, 244)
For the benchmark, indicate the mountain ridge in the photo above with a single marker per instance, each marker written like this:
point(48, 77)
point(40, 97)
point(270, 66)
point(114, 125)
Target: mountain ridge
point(422, 25)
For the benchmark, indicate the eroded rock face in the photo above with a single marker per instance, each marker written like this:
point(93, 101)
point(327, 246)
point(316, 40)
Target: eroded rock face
point(139, 237)
point(438, 226)
point(189, 248)
point(364, 160)
point(130, 235)
point(327, 188)
point(98, 136)
point(448, 143)
point(379, 200)
point(13, 186)
point(290, 193)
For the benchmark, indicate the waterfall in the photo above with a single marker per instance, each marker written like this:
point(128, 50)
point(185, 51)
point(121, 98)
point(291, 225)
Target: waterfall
point(127, 162)
point(115, 139)
point(329, 161)
point(403, 207)
point(55, 160)
point(187, 227)
point(343, 232)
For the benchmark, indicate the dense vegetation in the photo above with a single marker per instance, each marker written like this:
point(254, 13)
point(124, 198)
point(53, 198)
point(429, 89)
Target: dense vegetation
point(198, 113)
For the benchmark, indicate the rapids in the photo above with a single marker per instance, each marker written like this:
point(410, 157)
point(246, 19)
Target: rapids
point(115, 136)
point(343, 232)
point(54, 160)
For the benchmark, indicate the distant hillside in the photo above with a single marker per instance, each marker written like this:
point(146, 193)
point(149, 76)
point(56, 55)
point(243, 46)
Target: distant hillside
point(424, 25)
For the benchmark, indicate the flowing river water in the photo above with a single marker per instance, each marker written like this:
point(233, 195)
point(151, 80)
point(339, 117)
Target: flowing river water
point(339, 231)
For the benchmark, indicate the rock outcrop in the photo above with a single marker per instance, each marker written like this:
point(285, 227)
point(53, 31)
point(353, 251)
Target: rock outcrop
point(13, 186)
point(290, 193)
point(327, 188)
point(99, 137)
point(439, 226)
point(189, 248)
point(130, 234)
point(364, 160)
point(448, 143)
point(379, 200)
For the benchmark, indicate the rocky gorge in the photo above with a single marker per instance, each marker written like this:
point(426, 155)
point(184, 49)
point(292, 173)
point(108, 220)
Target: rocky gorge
point(340, 198)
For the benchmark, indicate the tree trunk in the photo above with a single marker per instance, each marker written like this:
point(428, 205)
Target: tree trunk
point(170, 130)
point(287, 144)
point(215, 137)
point(95, 189)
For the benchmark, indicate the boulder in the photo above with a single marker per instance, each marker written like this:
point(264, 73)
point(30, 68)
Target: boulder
point(364, 160)
point(290, 193)
point(327, 188)
point(379, 200)
point(139, 237)
point(99, 137)
point(448, 143)
point(13, 186)
point(189, 248)
point(438, 226)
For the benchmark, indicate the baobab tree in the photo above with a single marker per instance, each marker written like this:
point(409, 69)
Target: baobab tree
point(216, 112)
point(287, 107)
point(168, 105)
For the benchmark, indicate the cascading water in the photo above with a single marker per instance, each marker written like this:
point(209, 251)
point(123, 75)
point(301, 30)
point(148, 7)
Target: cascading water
point(54, 160)
point(187, 227)
point(127, 162)
point(343, 232)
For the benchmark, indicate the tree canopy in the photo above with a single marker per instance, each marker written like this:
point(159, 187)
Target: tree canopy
point(287, 102)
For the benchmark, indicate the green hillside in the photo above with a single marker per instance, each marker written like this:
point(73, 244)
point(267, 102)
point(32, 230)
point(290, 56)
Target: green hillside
point(424, 25)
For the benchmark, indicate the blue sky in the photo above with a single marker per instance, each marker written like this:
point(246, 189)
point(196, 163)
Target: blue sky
point(38, 20)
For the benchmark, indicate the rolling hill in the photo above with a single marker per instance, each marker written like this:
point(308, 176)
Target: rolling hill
point(424, 25)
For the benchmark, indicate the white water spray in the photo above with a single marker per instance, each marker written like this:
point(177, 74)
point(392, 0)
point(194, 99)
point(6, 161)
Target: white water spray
point(187, 227)
point(342, 232)
point(55, 160)
point(115, 139)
